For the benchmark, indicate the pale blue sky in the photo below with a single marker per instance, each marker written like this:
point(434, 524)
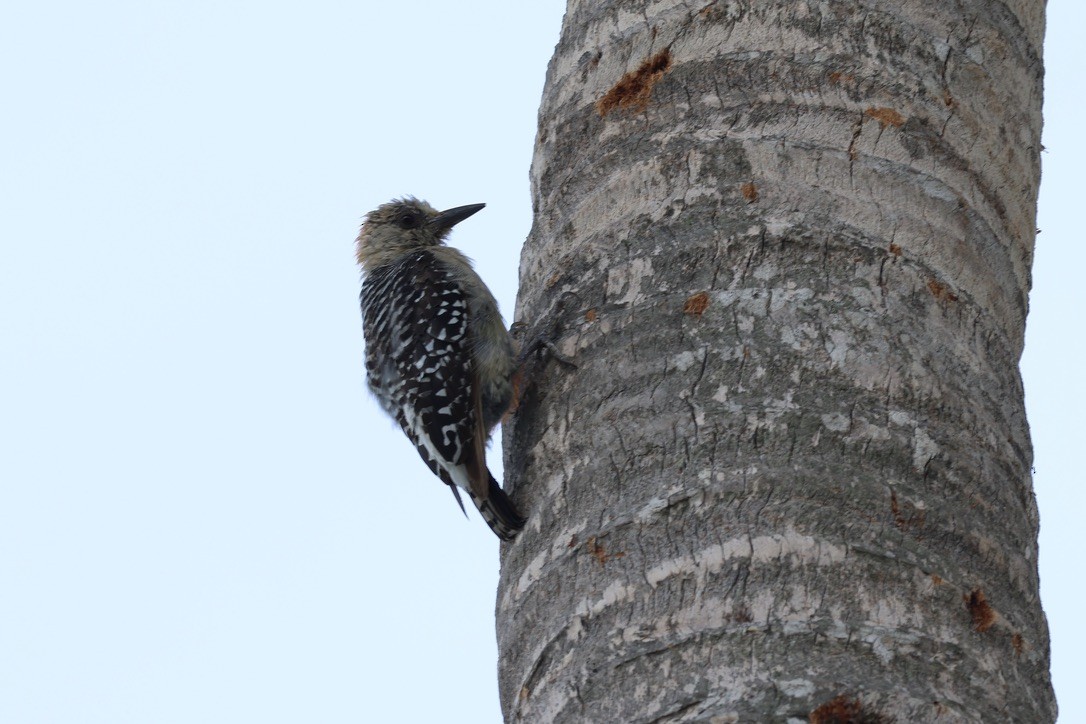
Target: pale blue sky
point(203, 516)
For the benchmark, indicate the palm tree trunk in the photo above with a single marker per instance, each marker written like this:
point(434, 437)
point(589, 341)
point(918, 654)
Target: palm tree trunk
point(790, 478)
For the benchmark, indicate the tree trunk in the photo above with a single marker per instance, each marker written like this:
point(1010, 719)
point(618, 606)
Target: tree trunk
point(790, 478)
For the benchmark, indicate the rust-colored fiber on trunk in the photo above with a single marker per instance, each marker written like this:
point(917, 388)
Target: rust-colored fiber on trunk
point(941, 291)
point(842, 710)
point(635, 88)
point(601, 554)
point(886, 116)
point(696, 304)
point(983, 614)
point(904, 522)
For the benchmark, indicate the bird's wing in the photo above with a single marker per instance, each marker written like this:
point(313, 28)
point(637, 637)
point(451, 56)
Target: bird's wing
point(429, 355)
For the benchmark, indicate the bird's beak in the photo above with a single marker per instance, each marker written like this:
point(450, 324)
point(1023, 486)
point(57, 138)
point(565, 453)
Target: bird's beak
point(451, 217)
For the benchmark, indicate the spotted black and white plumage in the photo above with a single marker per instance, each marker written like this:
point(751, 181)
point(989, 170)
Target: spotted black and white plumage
point(438, 357)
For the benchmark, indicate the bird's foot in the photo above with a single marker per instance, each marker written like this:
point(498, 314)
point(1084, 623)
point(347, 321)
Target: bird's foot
point(542, 342)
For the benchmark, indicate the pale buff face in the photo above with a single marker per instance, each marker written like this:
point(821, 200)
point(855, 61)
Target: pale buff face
point(396, 227)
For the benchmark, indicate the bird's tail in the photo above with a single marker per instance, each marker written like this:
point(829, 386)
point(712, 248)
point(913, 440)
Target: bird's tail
point(499, 512)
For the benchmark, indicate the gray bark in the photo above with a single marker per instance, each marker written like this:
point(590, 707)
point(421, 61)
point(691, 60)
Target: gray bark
point(790, 478)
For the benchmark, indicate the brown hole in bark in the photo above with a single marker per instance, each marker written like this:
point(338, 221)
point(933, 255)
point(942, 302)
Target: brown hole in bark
point(886, 117)
point(842, 710)
point(895, 249)
point(590, 315)
point(983, 614)
point(941, 291)
point(1018, 643)
point(599, 552)
point(635, 88)
point(750, 192)
point(742, 614)
point(697, 304)
point(901, 521)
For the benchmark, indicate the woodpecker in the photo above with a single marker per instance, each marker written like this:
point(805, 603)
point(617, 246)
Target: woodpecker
point(439, 359)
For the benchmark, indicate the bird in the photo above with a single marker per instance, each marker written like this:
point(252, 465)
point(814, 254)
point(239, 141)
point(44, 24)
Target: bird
point(439, 359)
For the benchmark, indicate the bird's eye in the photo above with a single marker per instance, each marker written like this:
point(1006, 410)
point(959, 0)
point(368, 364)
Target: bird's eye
point(408, 220)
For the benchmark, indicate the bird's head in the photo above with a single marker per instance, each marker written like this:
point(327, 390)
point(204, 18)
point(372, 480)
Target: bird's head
point(402, 225)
